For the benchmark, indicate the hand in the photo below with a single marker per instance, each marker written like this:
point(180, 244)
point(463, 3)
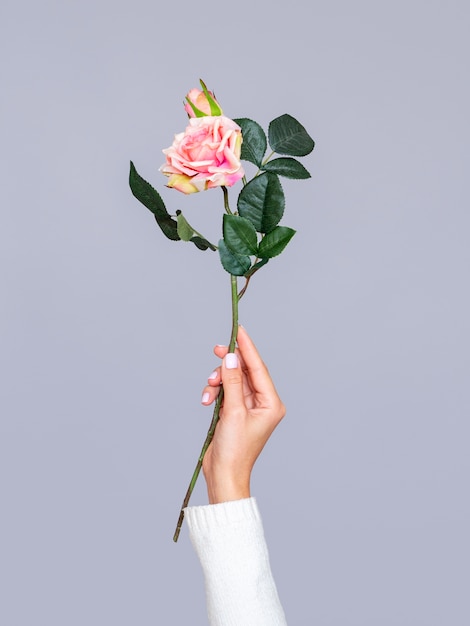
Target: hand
point(250, 411)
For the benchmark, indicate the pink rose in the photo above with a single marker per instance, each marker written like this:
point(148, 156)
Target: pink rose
point(206, 155)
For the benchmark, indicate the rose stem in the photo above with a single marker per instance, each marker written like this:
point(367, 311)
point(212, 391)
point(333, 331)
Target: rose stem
point(226, 204)
point(215, 415)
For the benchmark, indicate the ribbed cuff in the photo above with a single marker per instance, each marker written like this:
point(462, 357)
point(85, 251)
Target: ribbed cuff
point(201, 518)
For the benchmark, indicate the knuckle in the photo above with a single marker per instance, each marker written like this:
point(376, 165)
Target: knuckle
point(233, 379)
point(237, 413)
point(281, 410)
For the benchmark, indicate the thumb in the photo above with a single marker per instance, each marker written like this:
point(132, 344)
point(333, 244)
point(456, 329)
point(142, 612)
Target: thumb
point(232, 381)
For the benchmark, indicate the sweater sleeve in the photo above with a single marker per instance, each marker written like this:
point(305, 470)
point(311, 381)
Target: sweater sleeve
point(229, 541)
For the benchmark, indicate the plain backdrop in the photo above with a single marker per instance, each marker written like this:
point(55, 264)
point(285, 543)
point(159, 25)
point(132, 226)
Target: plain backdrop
point(107, 327)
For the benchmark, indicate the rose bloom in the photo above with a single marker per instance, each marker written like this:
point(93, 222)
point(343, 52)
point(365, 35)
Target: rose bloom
point(199, 99)
point(206, 155)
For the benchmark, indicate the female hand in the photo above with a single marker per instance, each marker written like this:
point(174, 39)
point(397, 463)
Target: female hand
point(251, 410)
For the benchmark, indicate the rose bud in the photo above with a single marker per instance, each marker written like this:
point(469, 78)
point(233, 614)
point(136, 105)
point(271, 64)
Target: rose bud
point(201, 102)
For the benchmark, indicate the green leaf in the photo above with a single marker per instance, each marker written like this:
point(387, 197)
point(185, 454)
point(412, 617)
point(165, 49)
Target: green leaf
point(288, 136)
point(240, 235)
point(187, 233)
point(202, 243)
point(235, 264)
point(286, 166)
point(254, 142)
point(262, 202)
point(185, 230)
point(274, 242)
point(150, 198)
point(256, 267)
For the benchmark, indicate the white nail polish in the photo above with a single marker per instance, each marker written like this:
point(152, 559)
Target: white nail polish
point(231, 361)
point(213, 375)
point(205, 397)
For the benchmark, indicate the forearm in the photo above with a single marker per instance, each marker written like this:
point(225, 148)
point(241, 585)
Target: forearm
point(229, 541)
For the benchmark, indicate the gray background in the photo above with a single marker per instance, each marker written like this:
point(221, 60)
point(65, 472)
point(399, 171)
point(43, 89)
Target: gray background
point(107, 328)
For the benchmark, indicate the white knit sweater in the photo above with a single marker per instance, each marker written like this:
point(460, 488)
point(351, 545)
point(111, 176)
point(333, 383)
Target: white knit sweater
point(229, 541)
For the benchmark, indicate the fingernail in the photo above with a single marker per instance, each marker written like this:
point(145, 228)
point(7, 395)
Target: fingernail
point(205, 397)
point(231, 361)
point(213, 375)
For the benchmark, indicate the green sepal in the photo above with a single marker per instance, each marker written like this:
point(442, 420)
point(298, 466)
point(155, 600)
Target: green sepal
point(256, 267)
point(254, 142)
point(286, 166)
point(215, 108)
point(262, 202)
point(235, 264)
point(185, 230)
point(240, 235)
point(151, 199)
point(288, 136)
point(275, 241)
point(197, 112)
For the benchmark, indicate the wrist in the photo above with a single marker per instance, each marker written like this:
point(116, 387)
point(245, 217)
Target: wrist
point(225, 489)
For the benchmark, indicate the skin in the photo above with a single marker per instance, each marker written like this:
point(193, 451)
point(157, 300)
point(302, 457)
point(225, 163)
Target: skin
point(250, 412)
